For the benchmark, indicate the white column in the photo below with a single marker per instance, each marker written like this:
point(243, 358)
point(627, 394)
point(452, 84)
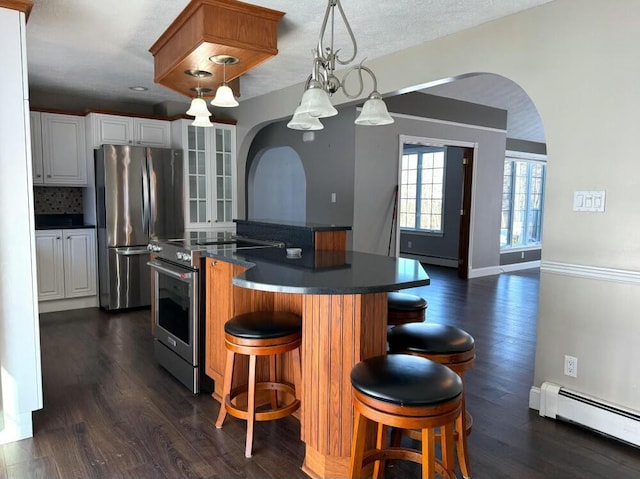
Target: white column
point(20, 373)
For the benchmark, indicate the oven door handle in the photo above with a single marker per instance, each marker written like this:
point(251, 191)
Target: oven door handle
point(174, 274)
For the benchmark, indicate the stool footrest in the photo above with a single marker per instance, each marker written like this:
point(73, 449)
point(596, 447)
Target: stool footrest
point(267, 415)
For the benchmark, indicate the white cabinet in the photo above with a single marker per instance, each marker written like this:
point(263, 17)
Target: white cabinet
point(58, 149)
point(124, 130)
point(66, 261)
point(209, 172)
point(36, 148)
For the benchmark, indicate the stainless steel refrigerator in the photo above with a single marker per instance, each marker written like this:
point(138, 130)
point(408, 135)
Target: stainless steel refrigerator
point(139, 194)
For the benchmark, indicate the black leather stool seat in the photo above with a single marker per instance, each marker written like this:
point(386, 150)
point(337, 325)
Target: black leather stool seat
point(263, 325)
point(406, 380)
point(405, 302)
point(429, 338)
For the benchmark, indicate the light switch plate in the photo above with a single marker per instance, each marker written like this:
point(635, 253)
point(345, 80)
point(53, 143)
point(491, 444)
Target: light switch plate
point(589, 201)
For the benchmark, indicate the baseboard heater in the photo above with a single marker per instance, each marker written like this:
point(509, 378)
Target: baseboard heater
point(612, 420)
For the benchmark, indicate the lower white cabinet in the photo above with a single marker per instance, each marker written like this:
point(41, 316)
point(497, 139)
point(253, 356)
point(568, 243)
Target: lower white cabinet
point(66, 261)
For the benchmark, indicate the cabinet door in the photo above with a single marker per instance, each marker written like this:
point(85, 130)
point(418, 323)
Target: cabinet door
point(150, 132)
point(219, 308)
point(224, 175)
point(36, 148)
point(112, 130)
point(63, 149)
point(49, 261)
point(79, 263)
point(198, 174)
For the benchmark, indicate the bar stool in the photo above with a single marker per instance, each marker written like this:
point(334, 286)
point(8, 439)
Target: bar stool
point(261, 333)
point(408, 392)
point(405, 308)
point(447, 345)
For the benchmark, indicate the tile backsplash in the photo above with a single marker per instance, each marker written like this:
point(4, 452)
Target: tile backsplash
point(57, 200)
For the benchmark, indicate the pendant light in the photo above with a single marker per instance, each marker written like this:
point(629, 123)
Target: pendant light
point(198, 106)
point(224, 95)
point(323, 82)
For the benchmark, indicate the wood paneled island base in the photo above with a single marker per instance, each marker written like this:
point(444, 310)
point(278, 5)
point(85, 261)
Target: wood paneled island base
point(344, 320)
point(338, 331)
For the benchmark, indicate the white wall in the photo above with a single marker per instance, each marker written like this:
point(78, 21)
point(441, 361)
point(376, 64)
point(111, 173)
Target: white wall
point(20, 376)
point(577, 60)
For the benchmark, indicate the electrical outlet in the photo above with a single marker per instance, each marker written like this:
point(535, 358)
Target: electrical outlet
point(570, 366)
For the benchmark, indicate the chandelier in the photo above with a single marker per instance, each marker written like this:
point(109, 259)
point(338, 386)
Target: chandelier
point(322, 82)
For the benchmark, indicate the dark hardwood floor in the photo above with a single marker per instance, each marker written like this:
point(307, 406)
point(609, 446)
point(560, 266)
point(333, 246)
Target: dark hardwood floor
point(111, 412)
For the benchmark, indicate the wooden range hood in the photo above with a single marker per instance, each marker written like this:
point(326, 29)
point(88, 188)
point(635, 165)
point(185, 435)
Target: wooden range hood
point(214, 27)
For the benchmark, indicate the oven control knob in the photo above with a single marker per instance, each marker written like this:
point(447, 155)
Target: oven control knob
point(179, 255)
point(186, 257)
point(156, 248)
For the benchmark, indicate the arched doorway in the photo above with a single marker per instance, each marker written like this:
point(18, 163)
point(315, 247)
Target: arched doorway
point(277, 186)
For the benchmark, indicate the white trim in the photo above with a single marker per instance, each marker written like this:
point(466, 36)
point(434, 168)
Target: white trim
point(438, 142)
point(508, 268)
point(488, 271)
point(591, 272)
point(525, 155)
point(452, 263)
point(450, 123)
point(534, 398)
point(16, 428)
point(67, 304)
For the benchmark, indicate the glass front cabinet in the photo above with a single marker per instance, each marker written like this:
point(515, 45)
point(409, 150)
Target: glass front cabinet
point(209, 172)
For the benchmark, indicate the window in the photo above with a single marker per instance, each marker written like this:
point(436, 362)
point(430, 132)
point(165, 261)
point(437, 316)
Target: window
point(422, 188)
point(522, 203)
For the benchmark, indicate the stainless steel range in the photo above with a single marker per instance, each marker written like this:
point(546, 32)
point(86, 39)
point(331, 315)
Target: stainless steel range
point(178, 301)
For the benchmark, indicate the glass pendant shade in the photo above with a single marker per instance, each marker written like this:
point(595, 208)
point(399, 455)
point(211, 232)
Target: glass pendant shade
point(198, 108)
point(316, 103)
point(202, 121)
point(304, 121)
point(224, 97)
point(374, 112)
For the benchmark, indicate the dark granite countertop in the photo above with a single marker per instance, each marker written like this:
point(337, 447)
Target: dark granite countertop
point(322, 272)
point(60, 221)
point(295, 225)
point(69, 227)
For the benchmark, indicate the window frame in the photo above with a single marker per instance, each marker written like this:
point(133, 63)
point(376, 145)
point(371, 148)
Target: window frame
point(422, 149)
point(529, 158)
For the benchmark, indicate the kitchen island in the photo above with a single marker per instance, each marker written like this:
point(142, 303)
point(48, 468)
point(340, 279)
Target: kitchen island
point(342, 298)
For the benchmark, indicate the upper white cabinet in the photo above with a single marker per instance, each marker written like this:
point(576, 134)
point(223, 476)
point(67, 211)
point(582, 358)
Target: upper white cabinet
point(58, 149)
point(124, 130)
point(209, 172)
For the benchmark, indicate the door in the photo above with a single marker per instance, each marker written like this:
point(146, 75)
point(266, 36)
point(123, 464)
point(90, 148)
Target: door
point(465, 214)
point(79, 263)
point(166, 212)
point(63, 149)
point(122, 189)
point(114, 130)
point(127, 279)
point(149, 132)
point(36, 148)
point(49, 261)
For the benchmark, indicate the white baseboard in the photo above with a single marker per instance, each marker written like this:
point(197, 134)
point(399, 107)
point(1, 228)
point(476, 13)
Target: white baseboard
point(480, 272)
point(450, 263)
point(67, 304)
point(15, 427)
point(534, 398)
point(509, 268)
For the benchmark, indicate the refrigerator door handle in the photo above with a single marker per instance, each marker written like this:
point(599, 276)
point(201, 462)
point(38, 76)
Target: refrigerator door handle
point(145, 199)
point(131, 251)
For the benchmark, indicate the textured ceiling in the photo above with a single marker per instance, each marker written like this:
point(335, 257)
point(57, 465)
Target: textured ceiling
point(97, 49)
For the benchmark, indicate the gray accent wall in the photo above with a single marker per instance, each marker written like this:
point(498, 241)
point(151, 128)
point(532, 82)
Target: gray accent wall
point(377, 155)
point(328, 162)
point(445, 245)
